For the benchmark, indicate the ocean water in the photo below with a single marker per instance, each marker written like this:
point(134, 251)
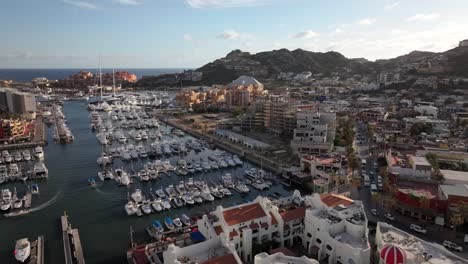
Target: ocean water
point(26, 75)
point(99, 212)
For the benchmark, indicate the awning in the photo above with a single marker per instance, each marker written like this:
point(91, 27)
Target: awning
point(197, 237)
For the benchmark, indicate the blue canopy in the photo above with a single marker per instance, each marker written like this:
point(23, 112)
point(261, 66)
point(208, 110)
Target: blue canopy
point(157, 224)
point(197, 237)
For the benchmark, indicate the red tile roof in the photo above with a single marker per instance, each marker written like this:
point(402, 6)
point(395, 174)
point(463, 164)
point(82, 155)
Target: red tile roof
point(233, 234)
point(285, 251)
point(226, 259)
point(243, 214)
point(218, 230)
point(293, 214)
point(254, 226)
point(273, 219)
point(332, 200)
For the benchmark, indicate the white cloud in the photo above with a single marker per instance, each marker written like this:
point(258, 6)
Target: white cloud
point(423, 17)
point(391, 6)
point(130, 2)
point(81, 4)
point(187, 37)
point(366, 21)
point(305, 34)
point(233, 34)
point(225, 3)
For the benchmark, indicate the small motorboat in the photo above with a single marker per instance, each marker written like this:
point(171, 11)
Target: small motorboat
point(185, 220)
point(18, 204)
point(166, 204)
point(177, 222)
point(157, 206)
point(131, 208)
point(92, 182)
point(35, 188)
point(169, 223)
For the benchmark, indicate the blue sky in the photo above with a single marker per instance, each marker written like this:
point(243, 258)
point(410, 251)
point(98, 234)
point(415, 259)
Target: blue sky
point(190, 33)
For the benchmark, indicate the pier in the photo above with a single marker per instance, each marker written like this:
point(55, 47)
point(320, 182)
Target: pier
point(71, 243)
point(37, 251)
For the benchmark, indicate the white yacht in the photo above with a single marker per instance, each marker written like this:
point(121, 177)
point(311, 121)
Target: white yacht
point(5, 202)
point(131, 208)
point(122, 176)
point(26, 155)
point(40, 170)
point(157, 206)
point(206, 194)
point(18, 156)
point(38, 152)
point(137, 196)
point(22, 250)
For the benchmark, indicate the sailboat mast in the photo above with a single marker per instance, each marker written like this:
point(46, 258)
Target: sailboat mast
point(113, 80)
point(100, 75)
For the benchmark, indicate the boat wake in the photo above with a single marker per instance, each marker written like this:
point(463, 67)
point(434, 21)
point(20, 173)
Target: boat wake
point(46, 204)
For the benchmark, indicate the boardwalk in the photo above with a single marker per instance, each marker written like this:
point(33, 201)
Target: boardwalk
point(71, 243)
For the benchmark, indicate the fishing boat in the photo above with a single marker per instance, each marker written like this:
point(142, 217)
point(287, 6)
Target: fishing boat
point(35, 188)
point(22, 250)
point(169, 223)
point(185, 220)
point(177, 222)
point(92, 182)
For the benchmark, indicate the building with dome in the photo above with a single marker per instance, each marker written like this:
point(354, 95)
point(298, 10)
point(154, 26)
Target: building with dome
point(395, 246)
point(243, 91)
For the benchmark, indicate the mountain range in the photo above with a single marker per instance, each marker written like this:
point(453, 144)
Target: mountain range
point(269, 65)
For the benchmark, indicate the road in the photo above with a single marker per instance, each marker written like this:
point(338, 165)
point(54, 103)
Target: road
point(435, 233)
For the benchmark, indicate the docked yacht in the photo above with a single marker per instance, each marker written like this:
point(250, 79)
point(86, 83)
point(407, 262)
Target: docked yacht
point(142, 152)
point(123, 177)
point(241, 187)
point(160, 193)
point(169, 223)
point(187, 199)
point(105, 175)
point(166, 204)
point(206, 194)
point(157, 206)
point(178, 202)
point(22, 250)
point(26, 155)
point(185, 220)
point(6, 156)
point(225, 191)
point(216, 193)
point(3, 174)
point(5, 202)
point(104, 159)
point(131, 208)
point(146, 207)
point(181, 188)
point(227, 181)
point(18, 203)
point(143, 175)
point(137, 196)
point(40, 170)
point(177, 222)
point(18, 156)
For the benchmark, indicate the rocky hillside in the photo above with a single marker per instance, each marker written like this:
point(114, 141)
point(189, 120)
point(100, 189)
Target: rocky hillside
point(270, 64)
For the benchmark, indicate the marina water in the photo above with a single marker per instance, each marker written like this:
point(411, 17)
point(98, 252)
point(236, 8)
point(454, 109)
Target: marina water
point(99, 212)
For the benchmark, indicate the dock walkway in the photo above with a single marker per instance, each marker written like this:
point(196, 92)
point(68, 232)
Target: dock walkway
point(37, 251)
point(71, 243)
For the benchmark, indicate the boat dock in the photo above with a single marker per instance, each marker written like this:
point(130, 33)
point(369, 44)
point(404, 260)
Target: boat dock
point(27, 200)
point(37, 251)
point(71, 243)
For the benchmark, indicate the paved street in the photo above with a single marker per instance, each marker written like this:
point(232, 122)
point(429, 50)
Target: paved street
point(434, 233)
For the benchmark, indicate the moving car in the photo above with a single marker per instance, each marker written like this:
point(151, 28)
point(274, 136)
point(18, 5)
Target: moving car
point(389, 217)
point(418, 229)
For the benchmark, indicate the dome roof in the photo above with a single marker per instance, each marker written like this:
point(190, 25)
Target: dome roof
point(392, 254)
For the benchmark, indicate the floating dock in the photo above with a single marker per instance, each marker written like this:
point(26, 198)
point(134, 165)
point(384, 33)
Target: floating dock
point(71, 243)
point(37, 251)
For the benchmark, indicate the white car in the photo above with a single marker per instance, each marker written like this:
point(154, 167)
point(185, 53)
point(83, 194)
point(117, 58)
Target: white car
point(389, 217)
point(418, 229)
point(374, 212)
point(452, 246)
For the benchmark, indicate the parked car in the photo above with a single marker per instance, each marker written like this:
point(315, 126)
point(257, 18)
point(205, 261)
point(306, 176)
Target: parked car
point(389, 217)
point(418, 229)
point(374, 212)
point(452, 246)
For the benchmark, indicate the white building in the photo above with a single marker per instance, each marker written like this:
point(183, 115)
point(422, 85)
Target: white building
point(438, 125)
point(314, 133)
point(332, 227)
point(426, 110)
point(409, 166)
point(397, 246)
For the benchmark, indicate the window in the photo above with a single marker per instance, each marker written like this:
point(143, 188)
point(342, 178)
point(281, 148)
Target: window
point(329, 247)
point(318, 241)
point(309, 235)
